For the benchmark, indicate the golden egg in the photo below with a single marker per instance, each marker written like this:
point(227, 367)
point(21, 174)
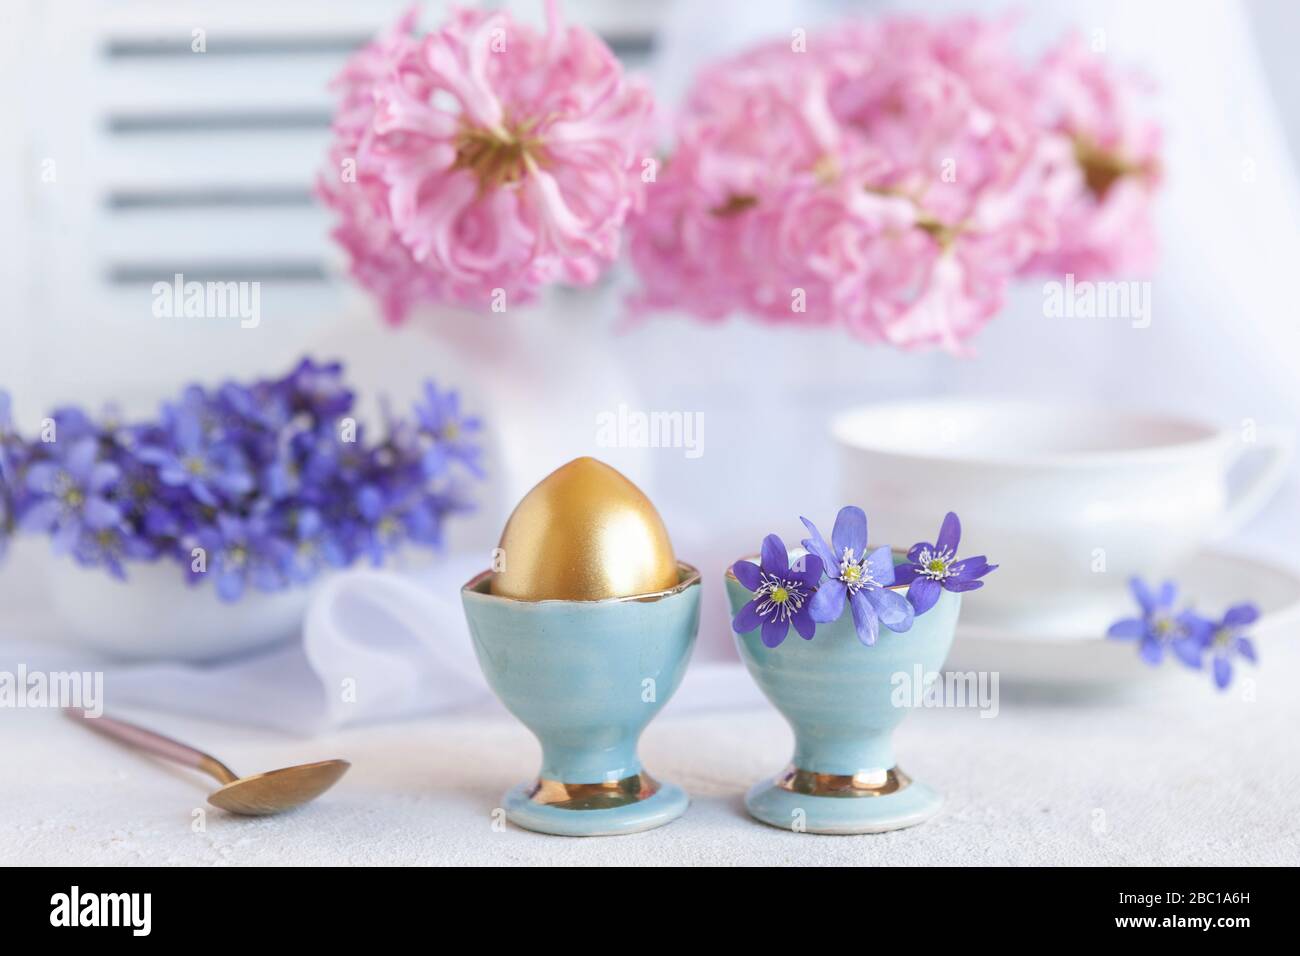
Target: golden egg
point(584, 533)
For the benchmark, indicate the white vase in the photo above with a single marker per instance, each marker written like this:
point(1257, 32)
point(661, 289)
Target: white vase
point(156, 615)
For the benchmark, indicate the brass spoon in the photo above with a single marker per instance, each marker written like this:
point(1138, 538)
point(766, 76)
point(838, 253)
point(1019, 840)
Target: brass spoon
point(259, 795)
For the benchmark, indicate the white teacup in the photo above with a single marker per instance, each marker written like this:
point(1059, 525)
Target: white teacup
point(1068, 501)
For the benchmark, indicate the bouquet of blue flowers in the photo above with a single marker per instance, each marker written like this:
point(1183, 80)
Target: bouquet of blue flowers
point(260, 485)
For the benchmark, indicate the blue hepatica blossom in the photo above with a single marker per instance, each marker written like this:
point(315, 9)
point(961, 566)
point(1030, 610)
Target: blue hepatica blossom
point(862, 578)
point(6, 518)
point(931, 568)
point(262, 477)
point(111, 548)
point(8, 472)
point(1162, 626)
point(1189, 635)
point(1225, 639)
point(70, 494)
point(315, 546)
point(782, 594)
point(242, 552)
point(449, 434)
point(7, 434)
point(211, 470)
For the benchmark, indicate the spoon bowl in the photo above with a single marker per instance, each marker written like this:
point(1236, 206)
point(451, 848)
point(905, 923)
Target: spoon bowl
point(257, 795)
point(275, 791)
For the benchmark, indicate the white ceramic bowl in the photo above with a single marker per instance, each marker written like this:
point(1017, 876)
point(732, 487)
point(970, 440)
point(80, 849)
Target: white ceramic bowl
point(155, 615)
point(1069, 501)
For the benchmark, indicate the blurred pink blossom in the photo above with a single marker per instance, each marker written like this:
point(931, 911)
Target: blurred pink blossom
point(1106, 227)
point(485, 156)
point(893, 178)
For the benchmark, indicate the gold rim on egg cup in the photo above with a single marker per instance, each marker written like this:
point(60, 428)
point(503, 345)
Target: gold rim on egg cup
point(688, 575)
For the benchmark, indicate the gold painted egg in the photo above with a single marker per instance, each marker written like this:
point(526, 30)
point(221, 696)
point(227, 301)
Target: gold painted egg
point(584, 533)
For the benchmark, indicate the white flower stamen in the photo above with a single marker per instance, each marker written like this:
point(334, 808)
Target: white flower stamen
point(936, 564)
point(778, 599)
point(854, 572)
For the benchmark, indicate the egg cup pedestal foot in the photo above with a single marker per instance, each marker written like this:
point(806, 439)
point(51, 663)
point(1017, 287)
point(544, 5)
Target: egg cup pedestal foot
point(843, 700)
point(586, 677)
point(771, 802)
point(664, 805)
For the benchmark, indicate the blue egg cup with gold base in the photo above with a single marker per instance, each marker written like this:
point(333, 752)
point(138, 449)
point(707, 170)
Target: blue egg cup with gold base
point(838, 696)
point(586, 677)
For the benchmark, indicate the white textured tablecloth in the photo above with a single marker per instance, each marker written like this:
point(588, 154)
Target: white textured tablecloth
point(1171, 774)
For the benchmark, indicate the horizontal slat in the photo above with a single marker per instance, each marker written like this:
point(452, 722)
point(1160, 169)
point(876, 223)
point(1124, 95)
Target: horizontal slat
point(173, 45)
point(303, 270)
point(238, 120)
point(150, 18)
point(204, 197)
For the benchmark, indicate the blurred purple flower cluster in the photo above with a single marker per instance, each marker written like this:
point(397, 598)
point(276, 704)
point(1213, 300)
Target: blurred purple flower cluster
point(262, 485)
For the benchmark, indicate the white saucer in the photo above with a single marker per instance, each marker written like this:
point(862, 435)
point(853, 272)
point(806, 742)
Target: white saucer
point(1213, 579)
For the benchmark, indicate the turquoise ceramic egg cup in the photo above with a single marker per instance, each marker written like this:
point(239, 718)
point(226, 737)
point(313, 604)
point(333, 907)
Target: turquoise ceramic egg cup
point(837, 695)
point(586, 677)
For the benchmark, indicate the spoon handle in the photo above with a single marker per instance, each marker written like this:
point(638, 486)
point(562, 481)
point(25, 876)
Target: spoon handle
point(156, 744)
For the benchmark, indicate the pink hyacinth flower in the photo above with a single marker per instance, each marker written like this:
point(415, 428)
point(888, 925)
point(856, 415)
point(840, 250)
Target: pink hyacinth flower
point(491, 160)
point(892, 177)
point(1107, 225)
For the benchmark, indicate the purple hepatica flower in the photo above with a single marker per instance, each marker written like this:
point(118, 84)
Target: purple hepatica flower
point(240, 552)
point(931, 568)
point(111, 547)
point(861, 577)
point(327, 456)
point(782, 594)
point(6, 522)
point(1224, 640)
point(209, 470)
point(395, 514)
point(1159, 627)
point(68, 495)
point(440, 420)
point(8, 473)
point(7, 434)
point(72, 425)
point(318, 389)
point(315, 546)
point(257, 409)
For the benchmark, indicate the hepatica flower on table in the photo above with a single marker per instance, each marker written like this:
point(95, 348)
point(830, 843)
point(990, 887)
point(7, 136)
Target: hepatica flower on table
point(1166, 625)
point(251, 486)
point(858, 576)
point(931, 568)
point(782, 593)
point(486, 158)
point(1226, 639)
point(1162, 625)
